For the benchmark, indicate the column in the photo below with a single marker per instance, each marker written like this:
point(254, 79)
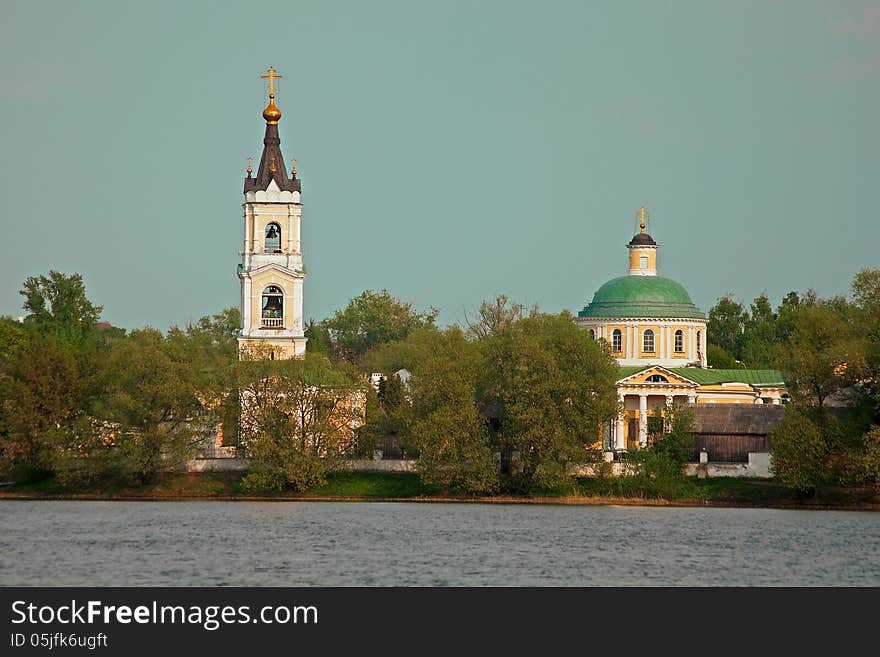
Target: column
point(666, 423)
point(246, 305)
point(290, 231)
point(619, 440)
point(643, 418)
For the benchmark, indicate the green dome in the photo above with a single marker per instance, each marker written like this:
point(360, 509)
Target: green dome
point(642, 296)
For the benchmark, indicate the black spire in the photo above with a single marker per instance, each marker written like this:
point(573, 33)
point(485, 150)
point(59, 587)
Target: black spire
point(272, 162)
point(272, 166)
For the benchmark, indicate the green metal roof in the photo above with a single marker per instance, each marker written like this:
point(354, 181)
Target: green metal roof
point(642, 296)
point(710, 376)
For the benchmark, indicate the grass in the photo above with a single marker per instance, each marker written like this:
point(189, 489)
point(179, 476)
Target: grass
point(383, 485)
point(374, 484)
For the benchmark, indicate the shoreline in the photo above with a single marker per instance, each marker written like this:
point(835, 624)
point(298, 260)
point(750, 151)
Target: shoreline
point(599, 500)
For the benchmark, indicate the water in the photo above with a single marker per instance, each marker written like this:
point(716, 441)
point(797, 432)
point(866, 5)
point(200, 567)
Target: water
point(370, 544)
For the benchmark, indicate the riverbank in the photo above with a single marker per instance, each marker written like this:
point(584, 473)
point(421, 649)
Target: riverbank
point(407, 487)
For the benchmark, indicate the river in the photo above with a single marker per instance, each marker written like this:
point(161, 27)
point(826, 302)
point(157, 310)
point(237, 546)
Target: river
point(74, 543)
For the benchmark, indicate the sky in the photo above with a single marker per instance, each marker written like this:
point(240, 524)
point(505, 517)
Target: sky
point(448, 152)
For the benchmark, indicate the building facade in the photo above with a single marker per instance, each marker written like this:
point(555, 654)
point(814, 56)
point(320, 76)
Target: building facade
point(271, 271)
point(658, 336)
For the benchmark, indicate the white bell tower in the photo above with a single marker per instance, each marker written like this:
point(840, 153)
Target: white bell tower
point(271, 270)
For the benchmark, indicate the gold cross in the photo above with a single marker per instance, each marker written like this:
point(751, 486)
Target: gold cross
point(271, 78)
point(272, 168)
point(293, 167)
point(250, 165)
point(642, 213)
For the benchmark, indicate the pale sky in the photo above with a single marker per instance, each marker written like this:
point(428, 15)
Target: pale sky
point(448, 151)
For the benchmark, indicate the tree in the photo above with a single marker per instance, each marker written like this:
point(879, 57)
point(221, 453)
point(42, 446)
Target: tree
point(799, 451)
point(373, 319)
point(871, 458)
point(298, 420)
point(222, 328)
point(821, 354)
point(318, 339)
point(548, 387)
point(493, 316)
point(57, 304)
point(660, 466)
point(727, 320)
point(46, 389)
point(719, 358)
point(866, 298)
point(760, 335)
point(151, 401)
point(449, 431)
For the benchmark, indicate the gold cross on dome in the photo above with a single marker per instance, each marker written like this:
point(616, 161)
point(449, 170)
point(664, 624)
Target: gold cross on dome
point(643, 215)
point(271, 78)
point(293, 166)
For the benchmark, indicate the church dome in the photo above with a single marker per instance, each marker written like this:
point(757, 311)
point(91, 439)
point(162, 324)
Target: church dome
point(642, 296)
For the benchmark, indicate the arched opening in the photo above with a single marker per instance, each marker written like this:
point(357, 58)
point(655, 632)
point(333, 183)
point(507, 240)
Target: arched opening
point(648, 341)
point(272, 241)
point(657, 378)
point(617, 341)
point(272, 309)
point(592, 334)
point(679, 341)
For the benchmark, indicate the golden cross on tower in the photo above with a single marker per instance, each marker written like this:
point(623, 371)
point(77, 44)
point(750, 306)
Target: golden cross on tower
point(271, 78)
point(250, 168)
point(643, 215)
point(272, 167)
point(293, 166)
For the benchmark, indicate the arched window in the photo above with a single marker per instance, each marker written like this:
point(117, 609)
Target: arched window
point(679, 341)
point(272, 313)
point(648, 341)
point(592, 334)
point(617, 341)
point(657, 378)
point(272, 243)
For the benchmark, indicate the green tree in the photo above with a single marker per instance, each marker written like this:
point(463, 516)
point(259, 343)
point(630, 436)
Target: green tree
point(719, 358)
point(799, 451)
point(760, 335)
point(12, 336)
point(549, 387)
point(57, 304)
point(46, 388)
point(318, 339)
point(871, 458)
point(372, 319)
point(821, 354)
point(659, 467)
point(151, 400)
point(449, 431)
point(727, 319)
point(866, 298)
point(298, 420)
point(493, 316)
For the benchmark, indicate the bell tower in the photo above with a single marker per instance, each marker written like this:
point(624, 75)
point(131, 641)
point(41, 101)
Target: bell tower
point(642, 250)
point(271, 270)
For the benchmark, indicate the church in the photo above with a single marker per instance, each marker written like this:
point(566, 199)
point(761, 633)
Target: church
point(650, 323)
point(658, 336)
point(271, 271)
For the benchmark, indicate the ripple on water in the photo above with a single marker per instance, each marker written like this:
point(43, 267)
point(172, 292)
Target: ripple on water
point(388, 544)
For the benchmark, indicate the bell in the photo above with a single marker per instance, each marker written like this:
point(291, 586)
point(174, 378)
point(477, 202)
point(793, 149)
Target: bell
point(272, 303)
point(272, 234)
